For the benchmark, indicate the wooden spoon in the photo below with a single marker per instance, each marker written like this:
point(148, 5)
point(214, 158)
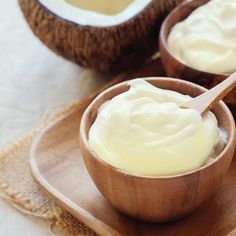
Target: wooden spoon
point(207, 100)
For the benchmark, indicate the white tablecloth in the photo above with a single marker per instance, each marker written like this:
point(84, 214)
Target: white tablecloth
point(32, 81)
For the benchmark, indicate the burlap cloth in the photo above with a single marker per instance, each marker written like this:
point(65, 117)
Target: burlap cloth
point(19, 189)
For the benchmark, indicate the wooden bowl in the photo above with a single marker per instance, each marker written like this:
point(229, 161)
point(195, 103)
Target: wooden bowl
point(174, 67)
point(157, 199)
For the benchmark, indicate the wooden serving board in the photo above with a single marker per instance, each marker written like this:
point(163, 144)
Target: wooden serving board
point(58, 168)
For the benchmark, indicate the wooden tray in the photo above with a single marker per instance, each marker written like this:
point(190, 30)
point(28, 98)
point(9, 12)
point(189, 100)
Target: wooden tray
point(58, 168)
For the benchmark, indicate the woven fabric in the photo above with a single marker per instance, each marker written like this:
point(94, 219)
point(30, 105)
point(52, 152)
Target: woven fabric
point(19, 189)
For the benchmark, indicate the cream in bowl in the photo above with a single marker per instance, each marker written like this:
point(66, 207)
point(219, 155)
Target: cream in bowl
point(205, 40)
point(154, 197)
point(145, 132)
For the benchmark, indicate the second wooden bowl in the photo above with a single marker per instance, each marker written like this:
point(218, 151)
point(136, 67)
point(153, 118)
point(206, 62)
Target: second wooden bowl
point(174, 67)
point(157, 199)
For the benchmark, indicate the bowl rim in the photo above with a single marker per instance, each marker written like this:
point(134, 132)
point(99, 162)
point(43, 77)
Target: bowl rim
point(84, 135)
point(163, 39)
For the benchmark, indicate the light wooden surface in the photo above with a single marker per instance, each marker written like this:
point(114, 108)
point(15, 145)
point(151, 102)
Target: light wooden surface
point(58, 167)
point(33, 80)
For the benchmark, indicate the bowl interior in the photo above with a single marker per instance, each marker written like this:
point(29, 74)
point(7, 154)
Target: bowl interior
point(222, 113)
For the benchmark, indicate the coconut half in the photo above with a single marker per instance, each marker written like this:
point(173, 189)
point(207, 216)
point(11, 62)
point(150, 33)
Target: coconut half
point(102, 37)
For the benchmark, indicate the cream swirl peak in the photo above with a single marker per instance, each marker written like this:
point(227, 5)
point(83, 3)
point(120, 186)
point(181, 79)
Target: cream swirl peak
point(206, 39)
point(145, 132)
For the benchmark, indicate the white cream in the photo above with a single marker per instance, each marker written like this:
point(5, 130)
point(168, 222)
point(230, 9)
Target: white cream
point(145, 132)
point(206, 40)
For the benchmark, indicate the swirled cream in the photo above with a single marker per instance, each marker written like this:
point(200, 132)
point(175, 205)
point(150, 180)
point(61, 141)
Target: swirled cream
point(145, 132)
point(206, 40)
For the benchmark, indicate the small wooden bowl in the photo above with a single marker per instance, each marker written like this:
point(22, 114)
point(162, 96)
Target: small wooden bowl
point(157, 199)
point(174, 67)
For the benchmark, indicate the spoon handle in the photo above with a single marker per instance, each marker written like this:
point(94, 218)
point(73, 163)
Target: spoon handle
point(207, 100)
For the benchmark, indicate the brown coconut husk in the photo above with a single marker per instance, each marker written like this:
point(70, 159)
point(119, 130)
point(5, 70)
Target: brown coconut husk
point(107, 49)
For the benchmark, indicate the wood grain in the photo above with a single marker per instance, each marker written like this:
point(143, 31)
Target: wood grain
point(175, 68)
point(58, 167)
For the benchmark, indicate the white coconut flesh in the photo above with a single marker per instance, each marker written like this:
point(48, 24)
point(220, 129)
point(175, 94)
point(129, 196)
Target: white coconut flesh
point(106, 7)
point(95, 15)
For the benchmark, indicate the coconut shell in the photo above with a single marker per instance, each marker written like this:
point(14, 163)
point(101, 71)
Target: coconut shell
point(107, 49)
